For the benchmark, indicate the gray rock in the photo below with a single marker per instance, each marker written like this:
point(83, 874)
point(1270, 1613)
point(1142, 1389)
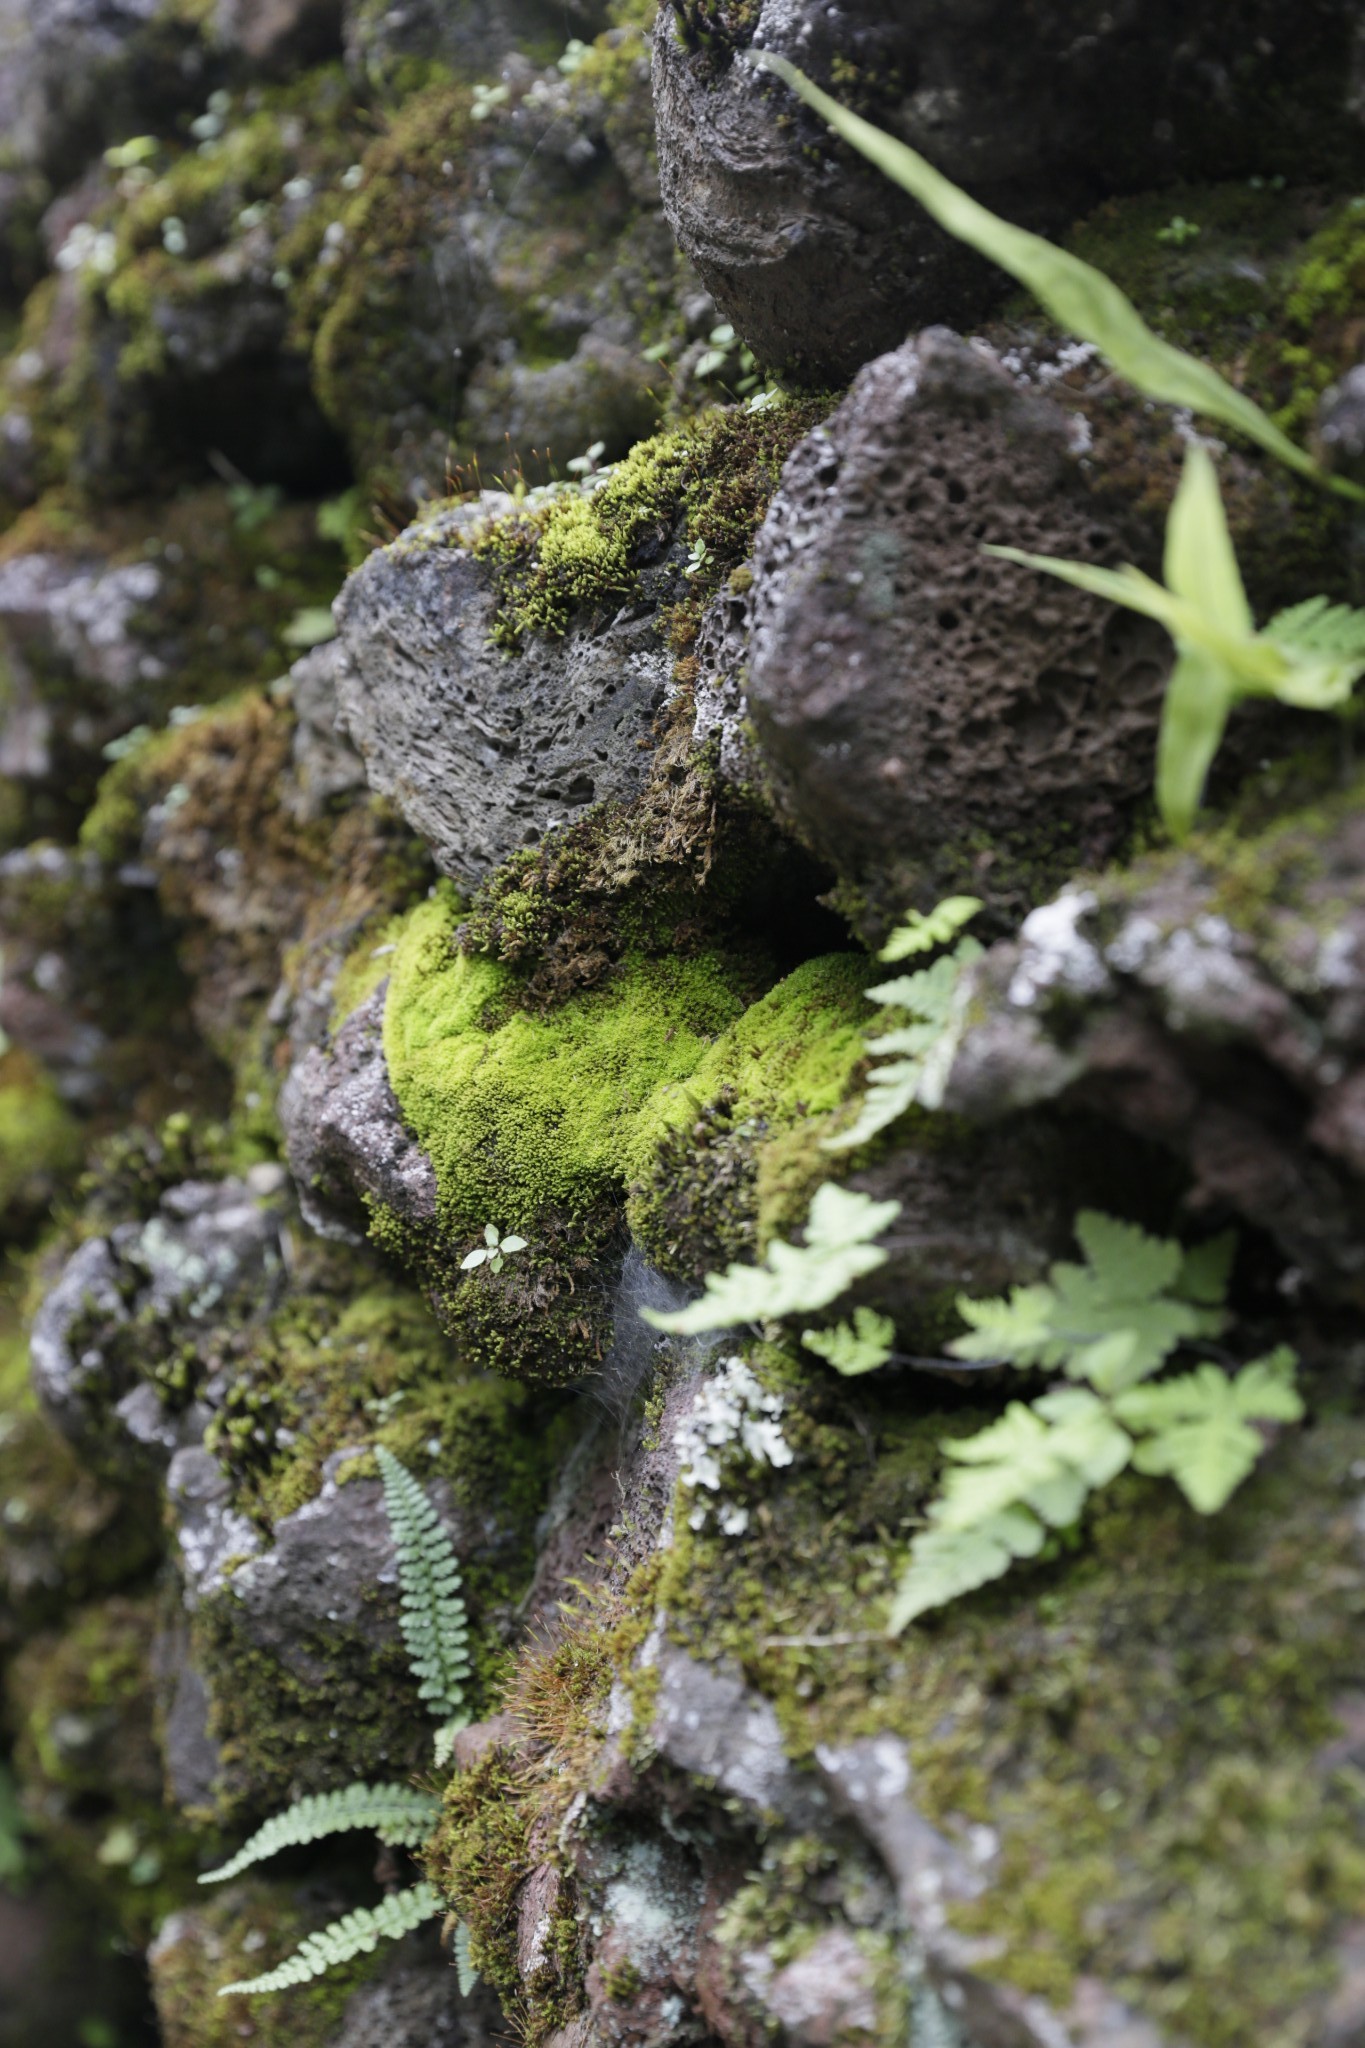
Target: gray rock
point(469, 37)
point(921, 709)
point(822, 263)
point(481, 751)
point(1240, 1047)
point(207, 1245)
point(345, 1136)
point(827, 1995)
point(325, 765)
point(709, 1723)
point(1340, 434)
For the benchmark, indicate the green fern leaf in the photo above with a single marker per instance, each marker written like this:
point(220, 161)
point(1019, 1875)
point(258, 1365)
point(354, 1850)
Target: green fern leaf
point(1202, 1425)
point(917, 1055)
point(922, 931)
point(946, 1563)
point(397, 1814)
point(433, 1617)
point(1047, 1457)
point(1320, 627)
point(1114, 1320)
point(794, 1279)
point(356, 1934)
point(466, 1975)
point(856, 1347)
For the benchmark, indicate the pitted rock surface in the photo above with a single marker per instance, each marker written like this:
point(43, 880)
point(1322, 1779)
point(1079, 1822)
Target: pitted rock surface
point(924, 712)
point(822, 263)
point(480, 751)
point(345, 1134)
point(1238, 1043)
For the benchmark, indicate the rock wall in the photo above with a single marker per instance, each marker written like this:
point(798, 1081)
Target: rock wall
point(494, 638)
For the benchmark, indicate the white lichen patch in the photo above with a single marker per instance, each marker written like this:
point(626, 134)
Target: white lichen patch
point(733, 1423)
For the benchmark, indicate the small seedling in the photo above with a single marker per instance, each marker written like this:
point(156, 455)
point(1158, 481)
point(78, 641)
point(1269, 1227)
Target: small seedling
point(492, 1253)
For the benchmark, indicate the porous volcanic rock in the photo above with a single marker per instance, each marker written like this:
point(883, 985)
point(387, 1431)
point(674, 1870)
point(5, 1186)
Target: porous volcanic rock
point(822, 263)
point(917, 704)
point(480, 751)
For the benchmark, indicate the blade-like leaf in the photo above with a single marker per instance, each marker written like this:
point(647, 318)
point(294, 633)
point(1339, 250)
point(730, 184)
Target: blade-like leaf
point(1079, 298)
point(1200, 564)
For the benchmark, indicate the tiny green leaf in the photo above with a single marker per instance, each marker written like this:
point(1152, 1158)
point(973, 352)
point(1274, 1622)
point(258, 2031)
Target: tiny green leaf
point(946, 1563)
point(1202, 1425)
point(921, 932)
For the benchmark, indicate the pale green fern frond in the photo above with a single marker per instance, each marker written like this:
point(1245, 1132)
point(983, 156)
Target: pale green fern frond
point(1203, 1425)
point(466, 1975)
point(397, 1814)
point(946, 1563)
point(433, 1618)
point(924, 930)
point(1112, 1322)
point(1317, 626)
point(856, 1347)
point(794, 1279)
point(356, 1934)
point(915, 1057)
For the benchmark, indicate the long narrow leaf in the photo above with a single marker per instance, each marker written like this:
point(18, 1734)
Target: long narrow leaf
point(1079, 297)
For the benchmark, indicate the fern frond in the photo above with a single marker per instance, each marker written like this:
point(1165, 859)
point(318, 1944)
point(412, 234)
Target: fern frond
point(355, 1934)
point(467, 1975)
point(1317, 626)
point(397, 1814)
point(921, 932)
point(433, 1618)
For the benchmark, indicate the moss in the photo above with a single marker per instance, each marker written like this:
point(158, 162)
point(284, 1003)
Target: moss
point(1146, 1719)
point(89, 1763)
point(479, 1856)
point(275, 1742)
point(65, 1536)
point(718, 1141)
point(242, 1934)
point(41, 1143)
point(704, 484)
point(521, 1113)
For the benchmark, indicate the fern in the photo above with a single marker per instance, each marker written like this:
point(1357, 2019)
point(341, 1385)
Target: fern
point(856, 1347)
point(922, 931)
point(433, 1618)
point(1079, 297)
point(355, 1934)
point(1113, 1323)
point(466, 1975)
point(794, 1279)
point(398, 1815)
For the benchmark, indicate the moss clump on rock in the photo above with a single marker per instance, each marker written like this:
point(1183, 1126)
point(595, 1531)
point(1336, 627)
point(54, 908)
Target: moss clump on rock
point(704, 485)
point(41, 1143)
point(1149, 1720)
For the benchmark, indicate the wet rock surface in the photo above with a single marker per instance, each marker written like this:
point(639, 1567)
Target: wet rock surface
point(405, 997)
point(822, 264)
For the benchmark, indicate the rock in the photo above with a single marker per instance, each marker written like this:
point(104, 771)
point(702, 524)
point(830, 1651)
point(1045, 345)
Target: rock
point(914, 704)
point(826, 1996)
point(75, 74)
point(1340, 433)
point(345, 1134)
point(1234, 1041)
point(822, 263)
point(208, 1246)
point(708, 1723)
point(482, 753)
point(471, 38)
point(298, 31)
point(325, 766)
